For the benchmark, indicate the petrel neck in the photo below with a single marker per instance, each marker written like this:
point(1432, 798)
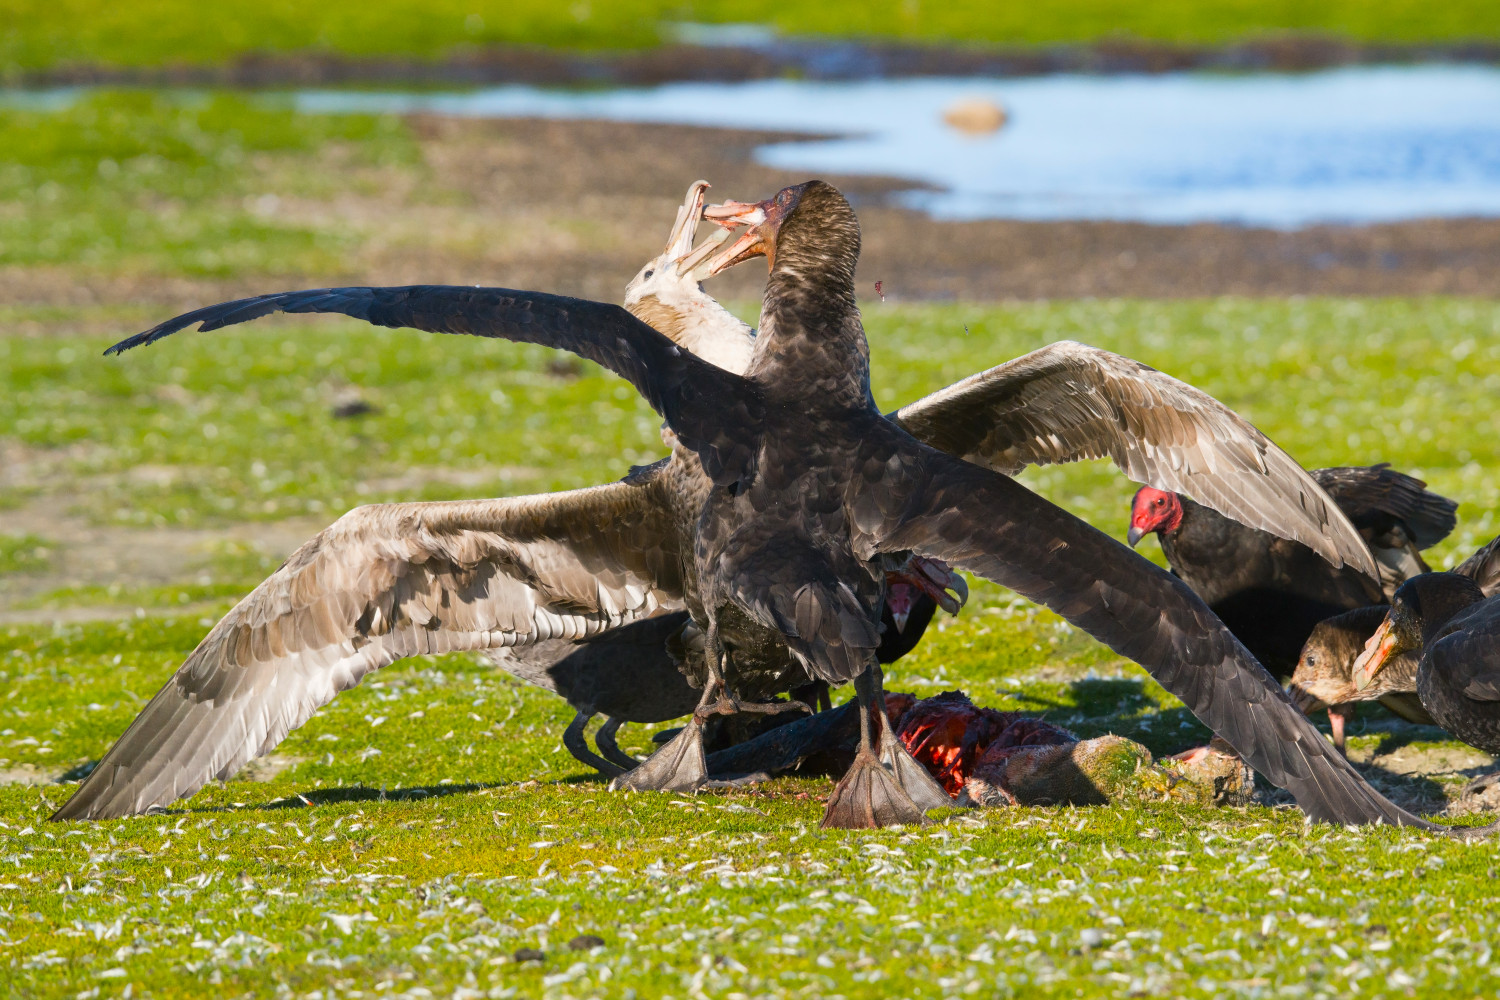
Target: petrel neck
point(810, 336)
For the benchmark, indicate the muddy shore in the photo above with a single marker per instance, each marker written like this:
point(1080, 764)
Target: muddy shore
point(812, 59)
point(576, 207)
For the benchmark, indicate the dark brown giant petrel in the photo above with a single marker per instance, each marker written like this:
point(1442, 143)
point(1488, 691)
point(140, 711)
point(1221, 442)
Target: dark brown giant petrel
point(808, 494)
point(1453, 620)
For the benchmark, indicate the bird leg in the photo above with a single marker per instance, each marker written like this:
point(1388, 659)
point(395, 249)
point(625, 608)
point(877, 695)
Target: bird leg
point(913, 778)
point(1338, 718)
point(605, 740)
point(870, 794)
point(573, 739)
point(680, 766)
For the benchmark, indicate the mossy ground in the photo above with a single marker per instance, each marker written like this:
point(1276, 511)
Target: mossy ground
point(427, 826)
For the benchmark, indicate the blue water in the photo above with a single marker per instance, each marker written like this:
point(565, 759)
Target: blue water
point(1350, 145)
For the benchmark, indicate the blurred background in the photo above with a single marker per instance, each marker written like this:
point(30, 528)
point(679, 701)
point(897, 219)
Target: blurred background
point(1292, 204)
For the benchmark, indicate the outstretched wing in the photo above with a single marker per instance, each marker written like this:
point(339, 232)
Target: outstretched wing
point(928, 503)
point(1068, 401)
point(1377, 498)
point(714, 412)
point(381, 583)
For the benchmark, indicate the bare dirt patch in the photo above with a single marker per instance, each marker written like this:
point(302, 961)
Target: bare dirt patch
point(85, 554)
point(1420, 776)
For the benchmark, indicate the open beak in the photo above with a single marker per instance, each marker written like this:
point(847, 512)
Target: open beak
point(695, 264)
point(937, 580)
point(1134, 535)
point(762, 217)
point(680, 240)
point(1377, 650)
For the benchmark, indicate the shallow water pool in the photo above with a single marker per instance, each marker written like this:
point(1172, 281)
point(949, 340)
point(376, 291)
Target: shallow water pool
point(1351, 145)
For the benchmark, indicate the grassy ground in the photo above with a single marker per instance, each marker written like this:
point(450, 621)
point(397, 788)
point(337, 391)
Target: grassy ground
point(38, 34)
point(426, 827)
point(136, 182)
point(204, 429)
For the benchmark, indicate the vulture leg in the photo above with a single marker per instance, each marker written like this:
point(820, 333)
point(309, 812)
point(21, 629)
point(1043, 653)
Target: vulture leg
point(578, 746)
point(1338, 718)
point(605, 739)
point(870, 795)
point(680, 765)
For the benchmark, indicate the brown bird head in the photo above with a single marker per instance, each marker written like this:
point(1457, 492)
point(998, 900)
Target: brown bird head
point(1153, 510)
point(1323, 673)
point(1420, 607)
point(808, 226)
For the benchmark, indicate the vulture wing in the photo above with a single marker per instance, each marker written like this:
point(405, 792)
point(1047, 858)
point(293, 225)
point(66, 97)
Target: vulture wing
point(1374, 496)
point(1068, 402)
point(714, 412)
point(992, 526)
point(384, 582)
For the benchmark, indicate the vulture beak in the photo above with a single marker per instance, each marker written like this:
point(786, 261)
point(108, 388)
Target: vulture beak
point(1377, 650)
point(1134, 535)
point(763, 218)
point(898, 603)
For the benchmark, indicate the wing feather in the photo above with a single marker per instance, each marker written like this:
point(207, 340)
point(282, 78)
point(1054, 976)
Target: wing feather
point(382, 583)
point(1067, 402)
point(996, 528)
point(1483, 567)
point(714, 412)
point(1465, 657)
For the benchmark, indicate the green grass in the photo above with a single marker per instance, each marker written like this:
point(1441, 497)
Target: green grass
point(383, 856)
point(428, 825)
point(138, 183)
point(237, 424)
point(37, 35)
point(25, 553)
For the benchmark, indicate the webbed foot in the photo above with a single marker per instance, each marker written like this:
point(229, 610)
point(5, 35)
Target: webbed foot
point(869, 797)
point(679, 766)
point(914, 779)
